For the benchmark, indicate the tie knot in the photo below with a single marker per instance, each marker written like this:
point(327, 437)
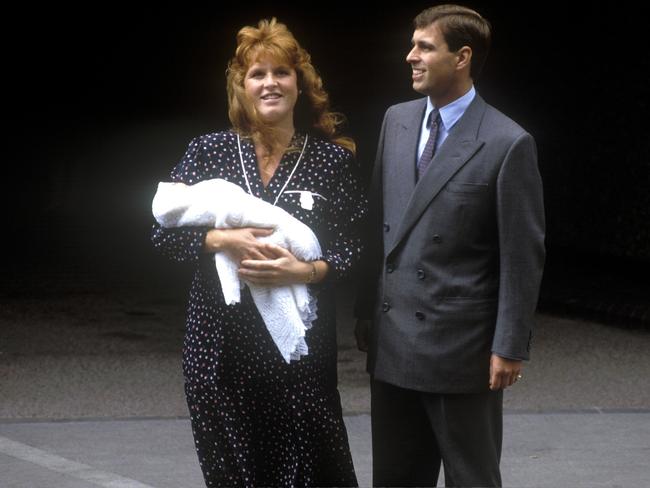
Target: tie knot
point(430, 147)
point(434, 116)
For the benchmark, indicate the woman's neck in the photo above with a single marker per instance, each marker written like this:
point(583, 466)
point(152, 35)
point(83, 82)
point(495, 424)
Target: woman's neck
point(284, 135)
point(268, 159)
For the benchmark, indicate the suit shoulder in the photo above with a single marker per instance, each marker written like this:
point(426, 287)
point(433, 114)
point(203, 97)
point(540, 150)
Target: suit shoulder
point(405, 108)
point(499, 123)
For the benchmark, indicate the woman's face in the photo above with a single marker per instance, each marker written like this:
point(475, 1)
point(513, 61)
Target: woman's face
point(273, 88)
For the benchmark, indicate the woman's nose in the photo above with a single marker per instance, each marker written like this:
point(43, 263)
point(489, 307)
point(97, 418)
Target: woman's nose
point(269, 80)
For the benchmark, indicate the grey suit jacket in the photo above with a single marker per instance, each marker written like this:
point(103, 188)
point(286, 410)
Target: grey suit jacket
point(457, 272)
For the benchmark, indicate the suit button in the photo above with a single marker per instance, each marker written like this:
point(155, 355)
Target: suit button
point(385, 307)
point(390, 267)
point(436, 238)
point(386, 227)
point(419, 315)
point(421, 274)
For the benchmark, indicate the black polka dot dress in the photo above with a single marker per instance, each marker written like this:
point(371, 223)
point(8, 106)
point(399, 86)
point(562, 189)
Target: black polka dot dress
point(256, 420)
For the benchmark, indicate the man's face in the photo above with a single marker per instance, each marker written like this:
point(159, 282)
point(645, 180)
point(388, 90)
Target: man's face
point(433, 65)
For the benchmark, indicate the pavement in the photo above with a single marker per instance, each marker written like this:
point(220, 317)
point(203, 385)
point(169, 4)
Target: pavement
point(578, 449)
point(91, 394)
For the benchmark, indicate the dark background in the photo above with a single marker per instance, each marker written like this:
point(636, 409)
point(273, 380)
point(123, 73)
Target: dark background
point(101, 104)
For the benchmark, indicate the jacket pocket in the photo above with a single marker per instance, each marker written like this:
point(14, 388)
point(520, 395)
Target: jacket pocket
point(458, 187)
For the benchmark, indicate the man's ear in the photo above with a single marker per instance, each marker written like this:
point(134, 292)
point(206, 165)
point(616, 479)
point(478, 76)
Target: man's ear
point(464, 55)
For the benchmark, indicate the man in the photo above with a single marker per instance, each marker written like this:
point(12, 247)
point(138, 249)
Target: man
point(446, 306)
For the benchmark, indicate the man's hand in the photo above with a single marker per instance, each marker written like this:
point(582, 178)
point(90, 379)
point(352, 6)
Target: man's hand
point(503, 372)
point(362, 334)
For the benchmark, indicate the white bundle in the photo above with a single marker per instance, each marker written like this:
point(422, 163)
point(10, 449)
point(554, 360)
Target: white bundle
point(288, 311)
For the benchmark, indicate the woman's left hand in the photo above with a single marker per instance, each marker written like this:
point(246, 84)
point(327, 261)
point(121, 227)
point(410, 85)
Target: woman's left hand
point(284, 269)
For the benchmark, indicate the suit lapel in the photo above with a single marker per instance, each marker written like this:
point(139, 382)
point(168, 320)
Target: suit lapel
point(461, 144)
point(399, 170)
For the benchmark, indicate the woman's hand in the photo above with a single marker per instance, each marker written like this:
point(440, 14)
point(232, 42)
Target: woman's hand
point(282, 269)
point(239, 244)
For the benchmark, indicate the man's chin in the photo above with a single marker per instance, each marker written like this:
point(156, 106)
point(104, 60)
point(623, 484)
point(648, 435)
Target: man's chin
point(419, 87)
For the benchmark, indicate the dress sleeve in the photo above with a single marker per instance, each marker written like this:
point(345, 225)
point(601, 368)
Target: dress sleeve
point(184, 244)
point(348, 207)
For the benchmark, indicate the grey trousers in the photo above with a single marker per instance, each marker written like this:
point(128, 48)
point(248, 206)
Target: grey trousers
point(413, 432)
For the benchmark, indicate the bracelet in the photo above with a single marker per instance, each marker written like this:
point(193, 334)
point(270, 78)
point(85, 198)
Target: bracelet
point(312, 273)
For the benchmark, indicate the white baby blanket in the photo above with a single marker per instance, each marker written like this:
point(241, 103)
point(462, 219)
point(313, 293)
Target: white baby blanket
point(287, 310)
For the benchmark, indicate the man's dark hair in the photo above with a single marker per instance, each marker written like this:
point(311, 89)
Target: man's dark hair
point(460, 27)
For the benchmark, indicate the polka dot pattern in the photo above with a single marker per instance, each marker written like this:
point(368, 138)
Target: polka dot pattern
point(256, 420)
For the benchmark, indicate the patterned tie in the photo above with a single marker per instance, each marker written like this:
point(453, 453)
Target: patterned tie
point(430, 147)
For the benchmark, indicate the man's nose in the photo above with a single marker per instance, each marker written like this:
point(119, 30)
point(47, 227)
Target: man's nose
point(412, 56)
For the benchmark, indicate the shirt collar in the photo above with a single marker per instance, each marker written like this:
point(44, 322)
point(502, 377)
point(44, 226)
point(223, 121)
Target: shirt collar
point(450, 113)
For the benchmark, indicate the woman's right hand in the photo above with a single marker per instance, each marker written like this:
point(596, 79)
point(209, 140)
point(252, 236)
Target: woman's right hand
point(239, 244)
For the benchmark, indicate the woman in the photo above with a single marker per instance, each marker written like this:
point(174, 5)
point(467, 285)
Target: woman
point(258, 420)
